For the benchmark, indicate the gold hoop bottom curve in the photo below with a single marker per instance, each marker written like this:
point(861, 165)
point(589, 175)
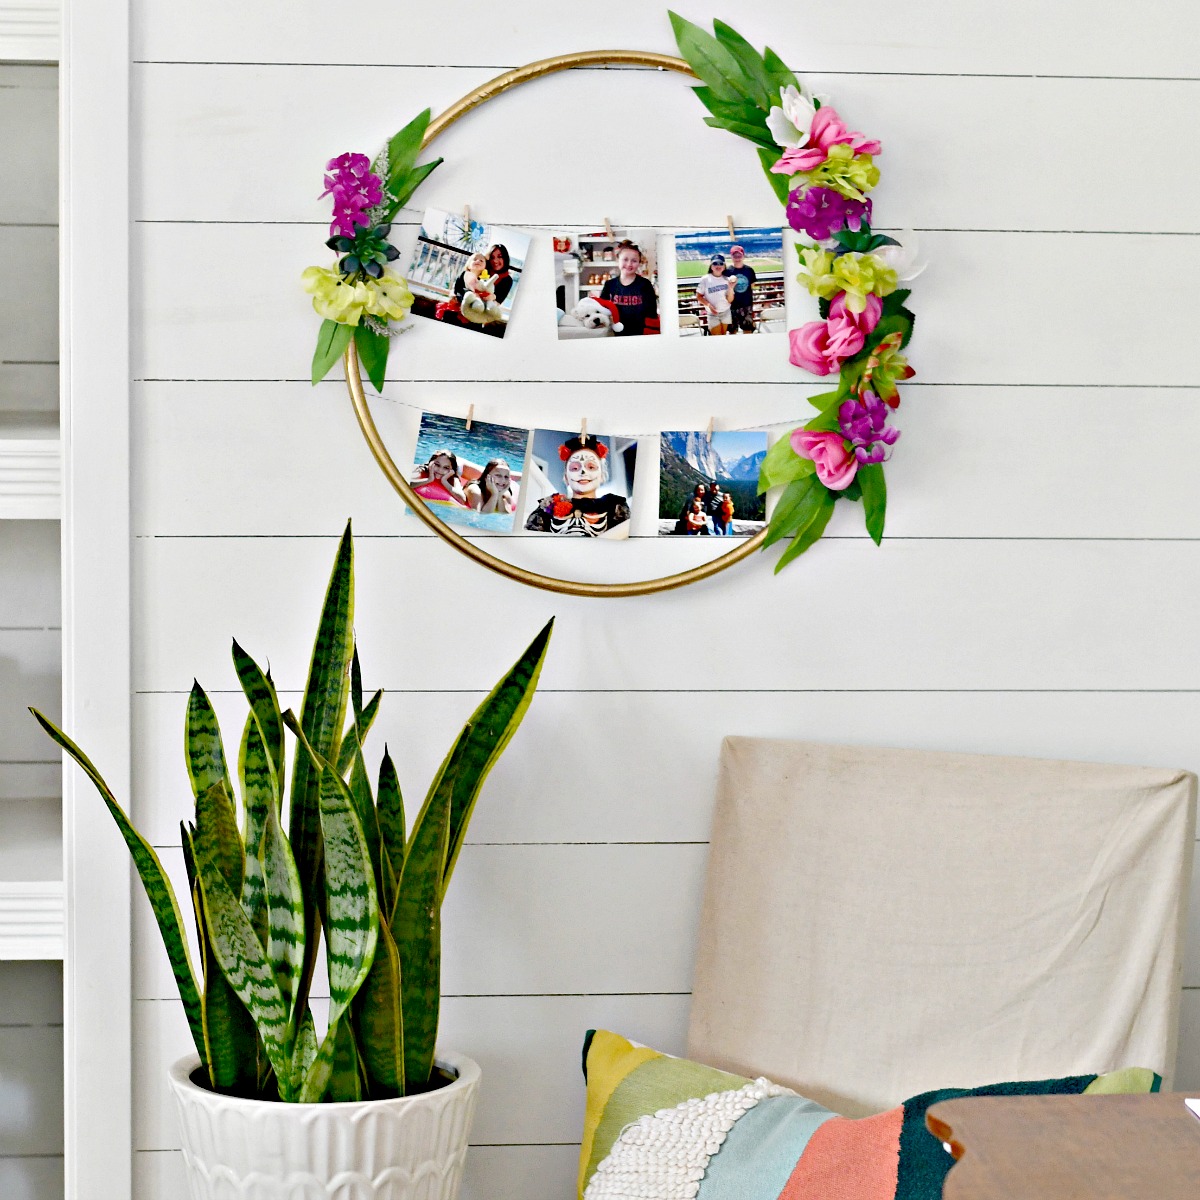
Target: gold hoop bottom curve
point(358, 395)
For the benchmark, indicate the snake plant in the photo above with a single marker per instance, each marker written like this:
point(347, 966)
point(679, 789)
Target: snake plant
point(346, 873)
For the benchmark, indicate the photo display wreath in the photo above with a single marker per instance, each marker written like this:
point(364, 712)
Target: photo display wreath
point(820, 170)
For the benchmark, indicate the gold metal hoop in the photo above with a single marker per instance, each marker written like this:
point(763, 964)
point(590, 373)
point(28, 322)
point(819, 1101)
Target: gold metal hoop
point(358, 395)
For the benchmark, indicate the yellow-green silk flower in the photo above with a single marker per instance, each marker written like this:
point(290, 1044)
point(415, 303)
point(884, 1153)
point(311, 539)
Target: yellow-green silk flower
point(335, 298)
point(817, 272)
point(388, 297)
point(860, 276)
point(853, 175)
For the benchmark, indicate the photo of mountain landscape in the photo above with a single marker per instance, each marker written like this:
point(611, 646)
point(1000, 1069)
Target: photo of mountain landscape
point(708, 484)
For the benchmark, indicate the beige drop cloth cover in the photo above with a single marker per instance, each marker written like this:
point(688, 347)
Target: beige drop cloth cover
point(878, 923)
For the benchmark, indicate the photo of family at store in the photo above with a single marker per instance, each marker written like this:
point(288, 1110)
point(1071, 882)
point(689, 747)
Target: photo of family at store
point(730, 281)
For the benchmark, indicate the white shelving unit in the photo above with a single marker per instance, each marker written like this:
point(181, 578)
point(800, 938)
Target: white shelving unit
point(31, 921)
point(30, 31)
point(30, 472)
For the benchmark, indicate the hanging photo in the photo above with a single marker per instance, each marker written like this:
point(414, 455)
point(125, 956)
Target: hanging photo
point(466, 273)
point(607, 284)
point(708, 485)
point(580, 485)
point(730, 284)
point(470, 476)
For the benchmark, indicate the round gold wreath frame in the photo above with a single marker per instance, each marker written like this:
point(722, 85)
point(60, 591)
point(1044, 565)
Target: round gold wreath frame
point(568, 587)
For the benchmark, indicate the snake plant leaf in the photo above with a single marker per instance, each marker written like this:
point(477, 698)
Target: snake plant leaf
point(260, 796)
point(379, 1018)
point(264, 703)
point(316, 1080)
point(322, 718)
point(156, 884)
point(417, 921)
point(202, 744)
point(305, 1052)
point(217, 837)
point(389, 812)
point(488, 731)
point(352, 909)
point(285, 910)
point(244, 964)
point(754, 71)
point(364, 806)
point(345, 1077)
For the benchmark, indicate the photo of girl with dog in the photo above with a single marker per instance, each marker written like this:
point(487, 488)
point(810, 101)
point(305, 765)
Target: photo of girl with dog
point(607, 284)
point(465, 273)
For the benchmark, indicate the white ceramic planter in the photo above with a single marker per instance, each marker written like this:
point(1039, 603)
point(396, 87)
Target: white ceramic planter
point(407, 1149)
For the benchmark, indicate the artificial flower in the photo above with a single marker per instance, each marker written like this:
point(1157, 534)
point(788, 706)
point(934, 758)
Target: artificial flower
point(836, 466)
point(817, 271)
point(822, 346)
point(355, 189)
point(884, 368)
point(789, 122)
point(821, 212)
point(905, 259)
point(826, 132)
point(864, 424)
point(845, 172)
point(336, 298)
point(861, 276)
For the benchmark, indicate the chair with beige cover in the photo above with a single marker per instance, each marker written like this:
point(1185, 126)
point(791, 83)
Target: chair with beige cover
point(878, 923)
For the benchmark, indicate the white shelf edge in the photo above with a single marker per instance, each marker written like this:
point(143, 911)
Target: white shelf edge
point(30, 479)
point(31, 921)
point(30, 31)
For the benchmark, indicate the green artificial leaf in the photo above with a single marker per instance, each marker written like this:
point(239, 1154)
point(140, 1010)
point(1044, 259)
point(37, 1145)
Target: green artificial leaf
point(896, 300)
point(852, 491)
point(403, 147)
point(351, 904)
point(811, 533)
point(778, 75)
point(156, 884)
point(754, 72)
point(488, 731)
point(711, 61)
point(244, 964)
point(417, 926)
point(403, 191)
point(373, 354)
point(800, 500)
point(782, 465)
point(322, 719)
point(874, 494)
point(378, 1016)
point(389, 812)
point(826, 421)
point(752, 131)
point(202, 744)
point(264, 702)
point(332, 340)
point(780, 184)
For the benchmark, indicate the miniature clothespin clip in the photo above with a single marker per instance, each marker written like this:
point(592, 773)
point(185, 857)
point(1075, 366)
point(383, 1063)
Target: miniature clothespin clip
point(607, 227)
point(470, 417)
point(708, 432)
point(583, 428)
point(467, 217)
point(732, 231)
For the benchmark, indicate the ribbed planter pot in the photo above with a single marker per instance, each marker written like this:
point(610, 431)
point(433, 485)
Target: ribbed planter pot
point(407, 1149)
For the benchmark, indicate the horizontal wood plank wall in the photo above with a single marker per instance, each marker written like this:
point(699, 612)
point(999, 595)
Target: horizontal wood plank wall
point(1036, 594)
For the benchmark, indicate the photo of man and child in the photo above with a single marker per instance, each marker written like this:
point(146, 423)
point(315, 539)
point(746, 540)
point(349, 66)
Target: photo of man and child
point(606, 284)
point(470, 476)
point(708, 484)
point(730, 284)
point(465, 273)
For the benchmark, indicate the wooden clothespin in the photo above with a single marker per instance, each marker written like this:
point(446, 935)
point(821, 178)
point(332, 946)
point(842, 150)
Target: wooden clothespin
point(467, 218)
point(607, 227)
point(708, 432)
point(470, 417)
point(583, 428)
point(732, 231)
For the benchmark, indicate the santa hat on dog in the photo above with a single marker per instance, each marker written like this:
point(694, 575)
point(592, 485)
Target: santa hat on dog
point(613, 312)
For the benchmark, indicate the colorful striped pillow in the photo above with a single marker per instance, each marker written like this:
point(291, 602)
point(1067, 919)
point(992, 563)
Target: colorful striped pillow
point(663, 1128)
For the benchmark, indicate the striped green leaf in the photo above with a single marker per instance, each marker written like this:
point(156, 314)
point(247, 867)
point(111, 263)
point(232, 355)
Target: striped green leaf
point(417, 923)
point(285, 910)
point(482, 741)
point(264, 703)
point(217, 837)
point(378, 1017)
point(364, 718)
point(202, 745)
point(244, 964)
point(156, 884)
point(316, 1080)
point(345, 1078)
point(305, 1051)
point(352, 910)
point(259, 797)
point(389, 811)
point(322, 718)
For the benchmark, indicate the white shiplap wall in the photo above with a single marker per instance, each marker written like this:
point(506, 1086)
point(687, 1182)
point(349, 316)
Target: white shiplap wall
point(1036, 595)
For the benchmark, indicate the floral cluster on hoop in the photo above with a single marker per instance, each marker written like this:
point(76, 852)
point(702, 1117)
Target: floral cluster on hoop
point(360, 298)
point(822, 171)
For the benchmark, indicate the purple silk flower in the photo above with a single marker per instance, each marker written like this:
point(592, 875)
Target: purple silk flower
point(821, 212)
point(354, 189)
point(866, 429)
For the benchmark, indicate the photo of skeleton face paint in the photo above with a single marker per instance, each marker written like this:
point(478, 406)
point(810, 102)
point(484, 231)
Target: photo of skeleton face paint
point(606, 284)
point(580, 484)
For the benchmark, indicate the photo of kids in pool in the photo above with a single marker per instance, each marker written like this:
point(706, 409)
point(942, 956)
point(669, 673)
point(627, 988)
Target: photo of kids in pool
point(606, 284)
point(465, 273)
point(730, 284)
point(470, 476)
point(580, 485)
point(708, 484)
